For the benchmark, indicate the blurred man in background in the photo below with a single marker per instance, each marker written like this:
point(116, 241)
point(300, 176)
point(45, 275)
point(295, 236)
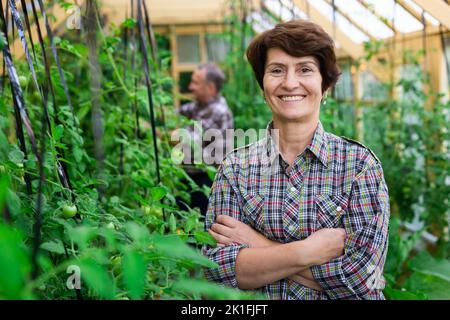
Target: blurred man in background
point(211, 111)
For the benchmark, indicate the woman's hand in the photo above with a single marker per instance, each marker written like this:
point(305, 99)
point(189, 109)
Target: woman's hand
point(228, 230)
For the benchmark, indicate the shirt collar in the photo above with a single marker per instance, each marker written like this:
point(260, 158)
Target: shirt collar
point(318, 145)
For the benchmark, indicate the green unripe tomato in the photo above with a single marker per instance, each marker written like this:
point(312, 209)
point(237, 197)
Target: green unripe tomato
point(111, 226)
point(69, 211)
point(157, 212)
point(151, 211)
point(146, 210)
point(177, 156)
point(36, 95)
point(23, 81)
point(116, 263)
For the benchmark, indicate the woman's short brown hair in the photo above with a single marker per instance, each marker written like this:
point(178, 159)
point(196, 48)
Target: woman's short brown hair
point(297, 38)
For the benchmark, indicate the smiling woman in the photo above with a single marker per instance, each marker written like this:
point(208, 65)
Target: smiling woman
point(302, 213)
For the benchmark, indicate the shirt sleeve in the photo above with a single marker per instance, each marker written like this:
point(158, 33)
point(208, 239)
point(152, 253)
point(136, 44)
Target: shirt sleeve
point(222, 200)
point(185, 109)
point(358, 273)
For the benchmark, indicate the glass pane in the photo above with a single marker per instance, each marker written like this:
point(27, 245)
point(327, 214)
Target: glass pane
point(392, 11)
point(342, 23)
point(286, 10)
point(216, 47)
point(373, 89)
point(365, 18)
point(188, 48)
point(344, 87)
point(185, 79)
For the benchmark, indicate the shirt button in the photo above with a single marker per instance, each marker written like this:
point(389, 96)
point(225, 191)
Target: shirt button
point(293, 189)
point(339, 209)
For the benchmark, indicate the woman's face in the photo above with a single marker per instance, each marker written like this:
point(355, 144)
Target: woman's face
point(292, 86)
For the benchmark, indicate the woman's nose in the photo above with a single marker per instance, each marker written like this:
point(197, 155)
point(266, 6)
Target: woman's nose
point(291, 80)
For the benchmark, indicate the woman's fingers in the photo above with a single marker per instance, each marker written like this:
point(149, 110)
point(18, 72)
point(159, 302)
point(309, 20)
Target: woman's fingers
point(220, 238)
point(227, 221)
point(222, 229)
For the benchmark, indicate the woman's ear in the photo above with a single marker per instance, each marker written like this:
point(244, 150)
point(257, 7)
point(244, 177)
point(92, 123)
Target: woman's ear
point(324, 98)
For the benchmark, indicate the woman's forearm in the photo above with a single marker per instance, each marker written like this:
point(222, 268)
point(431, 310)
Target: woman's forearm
point(256, 267)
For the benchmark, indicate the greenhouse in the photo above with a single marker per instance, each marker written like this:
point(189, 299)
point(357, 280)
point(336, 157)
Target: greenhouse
point(225, 150)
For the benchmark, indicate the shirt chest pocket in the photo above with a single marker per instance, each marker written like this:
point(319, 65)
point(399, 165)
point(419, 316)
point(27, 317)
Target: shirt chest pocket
point(330, 209)
point(252, 208)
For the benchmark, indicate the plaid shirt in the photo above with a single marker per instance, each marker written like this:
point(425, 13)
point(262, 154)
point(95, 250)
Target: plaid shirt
point(214, 115)
point(335, 183)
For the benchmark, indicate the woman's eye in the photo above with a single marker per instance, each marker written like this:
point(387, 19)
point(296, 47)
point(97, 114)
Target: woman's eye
point(276, 71)
point(304, 70)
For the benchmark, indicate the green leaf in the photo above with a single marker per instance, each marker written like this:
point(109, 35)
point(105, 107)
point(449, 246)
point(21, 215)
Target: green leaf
point(138, 233)
point(157, 193)
point(212, 290)
point(15, 263)
point(82, 235)
point(2, 40)
point(172, 223)
point(58, 132)
point(53, 246)
point(172, 246)
point(191, 222)
point(211, 171)
point(134, 272)
point(395, 294)
point(16, 156)
point(427, 264)
point(434, 287)
point(4, 183)
point(129, 23)
point(204, 237)
point(97, 278)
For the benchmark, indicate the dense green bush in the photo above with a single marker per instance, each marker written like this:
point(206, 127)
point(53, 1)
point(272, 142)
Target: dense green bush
point(115, 222)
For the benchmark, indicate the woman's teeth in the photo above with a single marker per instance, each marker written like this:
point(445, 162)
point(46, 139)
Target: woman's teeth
point(292, 98)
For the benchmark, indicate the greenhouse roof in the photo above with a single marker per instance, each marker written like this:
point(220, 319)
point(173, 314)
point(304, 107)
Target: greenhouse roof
point(350, 22)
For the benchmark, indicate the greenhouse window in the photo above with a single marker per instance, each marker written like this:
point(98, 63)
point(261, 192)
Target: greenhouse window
point(343, 89)
point(372, 88)
point(188, 48)
point(216, 47)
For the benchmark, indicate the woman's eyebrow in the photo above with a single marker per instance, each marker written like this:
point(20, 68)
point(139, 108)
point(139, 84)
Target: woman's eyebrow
point(275, 64)
point(298, 63)
point(308, 62)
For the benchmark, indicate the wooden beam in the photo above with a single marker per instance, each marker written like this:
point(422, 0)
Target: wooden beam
point(408, 8)
point(438, 9)
point(352, 21)
point(376, 14)
point(355, 50)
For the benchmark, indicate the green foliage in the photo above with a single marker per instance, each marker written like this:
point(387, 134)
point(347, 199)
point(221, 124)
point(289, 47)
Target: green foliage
point(129, 238)
point(409, 135)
